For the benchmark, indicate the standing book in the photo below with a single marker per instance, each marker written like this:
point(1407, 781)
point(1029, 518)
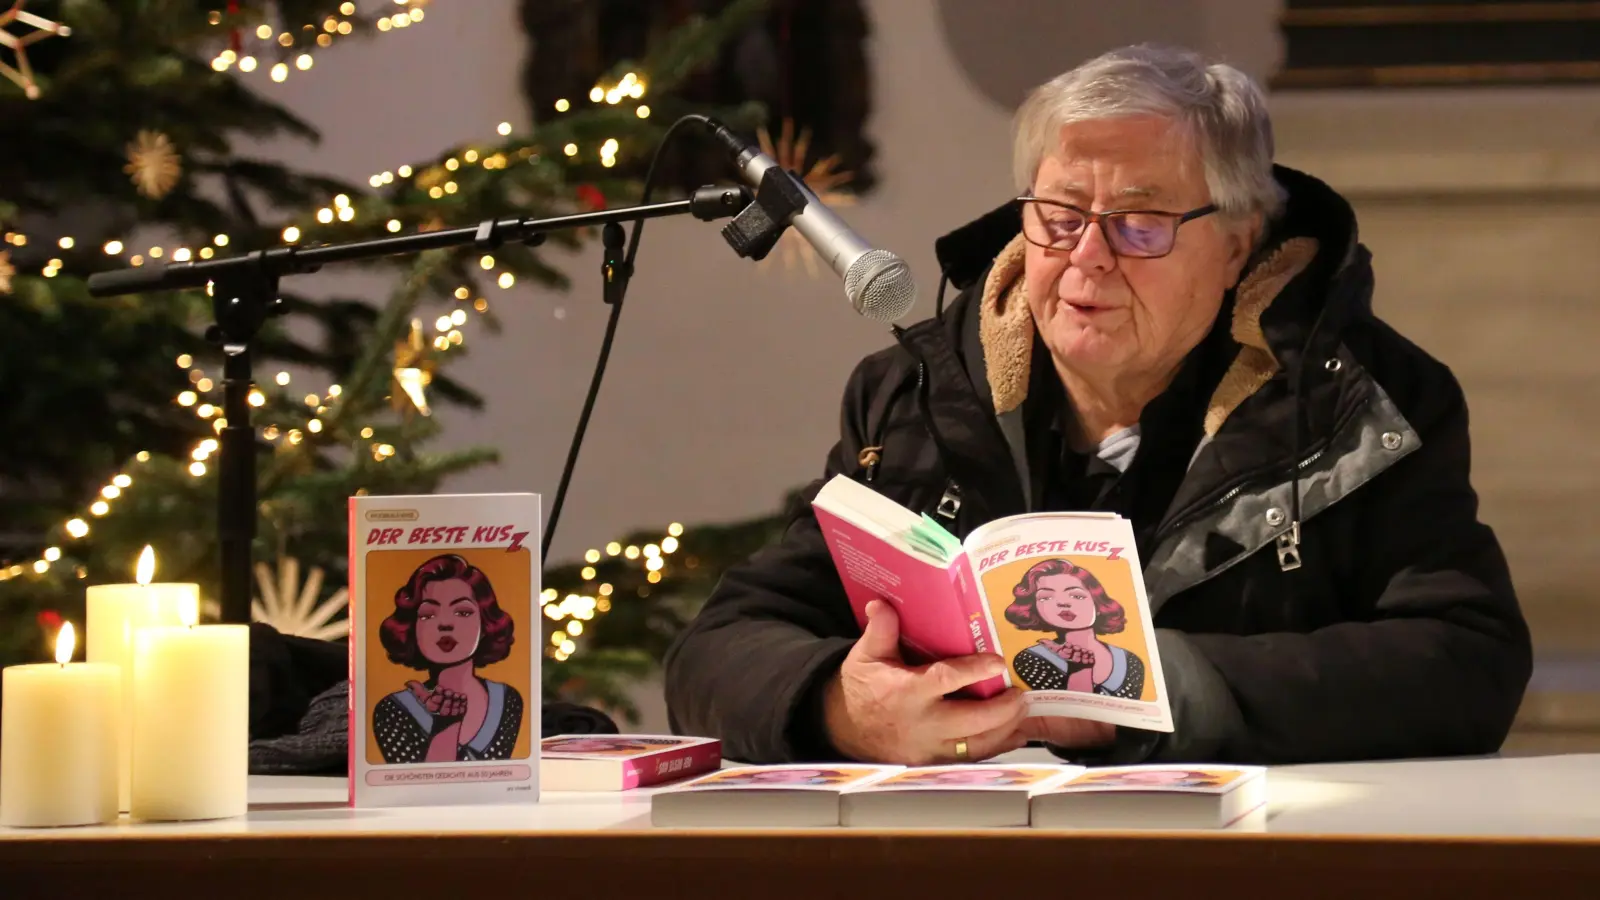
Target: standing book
point(444, 649)
point(1154, 796)
point(1060, 596)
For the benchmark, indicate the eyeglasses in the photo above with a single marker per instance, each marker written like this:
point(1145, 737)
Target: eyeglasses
point(1137, 233)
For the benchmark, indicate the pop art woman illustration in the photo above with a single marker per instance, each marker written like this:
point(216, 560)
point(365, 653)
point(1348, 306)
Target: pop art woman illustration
point(965, 778)
point(785, 777)
point(1154, 778)
point(1059, 597)
point(604, 744)
point(447, 623)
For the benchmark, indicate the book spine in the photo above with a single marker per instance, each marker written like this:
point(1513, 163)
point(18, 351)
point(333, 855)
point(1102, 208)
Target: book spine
point(672, 765)
point(975, 614)
point(355, 736)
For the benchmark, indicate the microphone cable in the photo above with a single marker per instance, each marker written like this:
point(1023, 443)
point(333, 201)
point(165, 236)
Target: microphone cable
point(626, 276)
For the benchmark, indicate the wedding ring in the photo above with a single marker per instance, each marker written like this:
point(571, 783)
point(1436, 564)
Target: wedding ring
point(961, 750)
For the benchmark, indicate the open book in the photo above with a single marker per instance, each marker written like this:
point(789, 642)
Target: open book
point(1060, 596)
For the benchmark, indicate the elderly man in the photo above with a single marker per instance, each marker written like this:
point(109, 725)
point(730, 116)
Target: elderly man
point(1167, 325)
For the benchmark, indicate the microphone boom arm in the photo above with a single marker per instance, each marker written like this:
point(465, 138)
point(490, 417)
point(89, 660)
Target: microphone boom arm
point(244, 293)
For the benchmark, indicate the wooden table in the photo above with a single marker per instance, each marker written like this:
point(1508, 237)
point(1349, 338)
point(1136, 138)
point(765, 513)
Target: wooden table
point(1509, 827)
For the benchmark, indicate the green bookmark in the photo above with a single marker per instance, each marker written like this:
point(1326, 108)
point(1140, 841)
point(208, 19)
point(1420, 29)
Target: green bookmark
point(931, 538)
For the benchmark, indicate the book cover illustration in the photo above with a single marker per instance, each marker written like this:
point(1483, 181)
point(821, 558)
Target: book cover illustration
point(579, 762)
point(1064, 598)
point(611, 745)
point(977, 777)
point(444, 649)
point(1189, 779)
point(790, 777)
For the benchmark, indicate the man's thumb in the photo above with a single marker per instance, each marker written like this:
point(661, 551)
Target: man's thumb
point(881, 638)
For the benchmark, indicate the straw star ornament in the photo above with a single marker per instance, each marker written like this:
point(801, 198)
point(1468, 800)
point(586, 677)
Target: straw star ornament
point(824, 181)
point(22, 72)
point(413, 370)
point(154, 164)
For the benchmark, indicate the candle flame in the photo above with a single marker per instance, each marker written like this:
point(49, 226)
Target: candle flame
point(147, 565)
point(189, 612)
point(64, 643)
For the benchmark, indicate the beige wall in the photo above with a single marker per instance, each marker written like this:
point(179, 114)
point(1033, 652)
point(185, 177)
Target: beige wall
point(1482, 211)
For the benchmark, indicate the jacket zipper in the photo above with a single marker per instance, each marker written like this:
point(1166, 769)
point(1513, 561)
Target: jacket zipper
point(950, 502)
point(1235, 491)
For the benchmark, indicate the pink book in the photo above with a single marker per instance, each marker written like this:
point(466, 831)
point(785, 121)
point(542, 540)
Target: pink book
point(1059, 596)
point(621, 762)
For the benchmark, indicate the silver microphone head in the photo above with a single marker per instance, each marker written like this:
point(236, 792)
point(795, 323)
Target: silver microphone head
point(880, 286)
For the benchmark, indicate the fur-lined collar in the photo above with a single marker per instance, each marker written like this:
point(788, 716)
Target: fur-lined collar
point(1006, 327)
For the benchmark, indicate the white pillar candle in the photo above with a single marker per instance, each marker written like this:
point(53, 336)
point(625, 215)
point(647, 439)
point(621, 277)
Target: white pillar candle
point(191, 720)
point(58, 741)
point(115, 612)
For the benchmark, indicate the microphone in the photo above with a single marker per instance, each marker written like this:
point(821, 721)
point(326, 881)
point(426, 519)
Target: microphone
point(876, 282)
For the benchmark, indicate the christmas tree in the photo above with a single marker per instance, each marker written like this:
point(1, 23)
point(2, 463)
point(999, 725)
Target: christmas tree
point(120, 124)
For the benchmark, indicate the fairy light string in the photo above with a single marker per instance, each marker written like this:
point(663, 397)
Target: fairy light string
point(202, 393)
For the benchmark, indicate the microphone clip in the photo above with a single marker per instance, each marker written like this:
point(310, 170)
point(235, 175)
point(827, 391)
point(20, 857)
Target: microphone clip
point(755, 231)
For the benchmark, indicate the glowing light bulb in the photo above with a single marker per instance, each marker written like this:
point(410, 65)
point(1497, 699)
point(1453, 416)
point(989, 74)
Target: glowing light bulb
point(459, 317)
point(324, 215)
point(121, 480)
point(507, 279)
point(393, 226)
point(570, 149)
point(597, 93)
point(66, 243)
point(247, 64)
point(562, 105)
point(77, 527)
point(280, 72)
point(197, 468)
point(504, 128)
point(282, 378)
point(642, 112)
point(291, 234)
point(112, 248)
point(303, 62)
point(99, 508)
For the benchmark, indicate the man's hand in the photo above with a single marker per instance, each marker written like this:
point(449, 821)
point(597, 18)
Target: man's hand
point(878, 709)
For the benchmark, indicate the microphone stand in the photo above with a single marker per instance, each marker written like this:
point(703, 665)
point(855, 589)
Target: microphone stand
point(245, 293)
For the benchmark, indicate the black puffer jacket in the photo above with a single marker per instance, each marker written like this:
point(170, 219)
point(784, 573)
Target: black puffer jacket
point(1373, 618)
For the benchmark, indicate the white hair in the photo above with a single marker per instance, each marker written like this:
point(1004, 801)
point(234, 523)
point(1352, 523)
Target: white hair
point(1219, 107)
